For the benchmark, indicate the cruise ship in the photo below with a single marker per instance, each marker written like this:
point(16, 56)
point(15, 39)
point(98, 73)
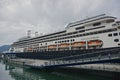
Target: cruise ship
point(94, 33)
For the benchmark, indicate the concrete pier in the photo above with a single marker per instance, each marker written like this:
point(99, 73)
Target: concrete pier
point(28, 61)
point(100, 67)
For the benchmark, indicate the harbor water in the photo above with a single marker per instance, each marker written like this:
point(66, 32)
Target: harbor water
point(14, 72)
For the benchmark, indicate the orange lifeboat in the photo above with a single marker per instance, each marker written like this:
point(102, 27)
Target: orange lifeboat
point(95, 43)
point(64, 45)
point(52, 46)
point(29, 49)
point(78, 44)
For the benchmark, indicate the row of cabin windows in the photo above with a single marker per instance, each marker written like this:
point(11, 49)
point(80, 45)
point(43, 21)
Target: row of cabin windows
point(83, 27)
point(66, 41)
point(42, 44)
point(95, 24)
point(114, 34)
point(61, 35)
point(80, 31)
point(63, 41)
point(95, 28)
point(91, 29)
point(85, 34)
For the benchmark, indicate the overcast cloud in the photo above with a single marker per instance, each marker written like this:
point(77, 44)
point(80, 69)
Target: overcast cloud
point(47, 16)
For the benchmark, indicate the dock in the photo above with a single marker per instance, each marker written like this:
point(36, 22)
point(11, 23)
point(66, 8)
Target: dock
point(102, 60)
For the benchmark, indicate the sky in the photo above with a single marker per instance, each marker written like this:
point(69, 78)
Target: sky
point(47, 16)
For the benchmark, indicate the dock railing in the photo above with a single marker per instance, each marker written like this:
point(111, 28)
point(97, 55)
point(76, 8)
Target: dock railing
point(99, 56)
point(105, 56)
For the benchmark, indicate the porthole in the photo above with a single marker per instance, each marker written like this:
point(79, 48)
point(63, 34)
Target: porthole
point(67, 40)
point(116, 40)
point(115, 34)
point(110, 35)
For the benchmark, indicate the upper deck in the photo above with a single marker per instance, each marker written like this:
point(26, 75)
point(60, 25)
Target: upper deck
point(82, 24)
point(97, 24)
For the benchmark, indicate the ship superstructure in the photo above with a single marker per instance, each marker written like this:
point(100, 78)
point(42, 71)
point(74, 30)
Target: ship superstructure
point(92, 33)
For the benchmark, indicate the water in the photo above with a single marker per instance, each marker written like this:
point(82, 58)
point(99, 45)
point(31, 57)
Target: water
point(12, 72)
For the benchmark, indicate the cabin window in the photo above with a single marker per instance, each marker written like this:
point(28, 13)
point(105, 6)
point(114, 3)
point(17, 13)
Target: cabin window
point(115, 34)
point(110, 35)
point(97, 24)
point(87, 34)
point(109, 21)
point(67, 40)
point(76, 36)
point(82, 31)
point(82, 27)
point(118, 22)
point(114, 25)
point(83, 34)
point(75, 32)
point(72, 40)
point(116, 40)
point(91, 33)
point(95, 32)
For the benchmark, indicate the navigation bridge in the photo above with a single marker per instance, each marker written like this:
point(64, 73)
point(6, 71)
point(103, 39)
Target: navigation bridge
point(104, 56)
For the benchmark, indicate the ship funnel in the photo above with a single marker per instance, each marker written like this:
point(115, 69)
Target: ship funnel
point(29, 33)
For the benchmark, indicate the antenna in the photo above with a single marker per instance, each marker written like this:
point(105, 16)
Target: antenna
point(36, 34)
point(29, 33)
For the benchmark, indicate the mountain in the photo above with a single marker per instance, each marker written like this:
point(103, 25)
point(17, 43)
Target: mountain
point(4, 48)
